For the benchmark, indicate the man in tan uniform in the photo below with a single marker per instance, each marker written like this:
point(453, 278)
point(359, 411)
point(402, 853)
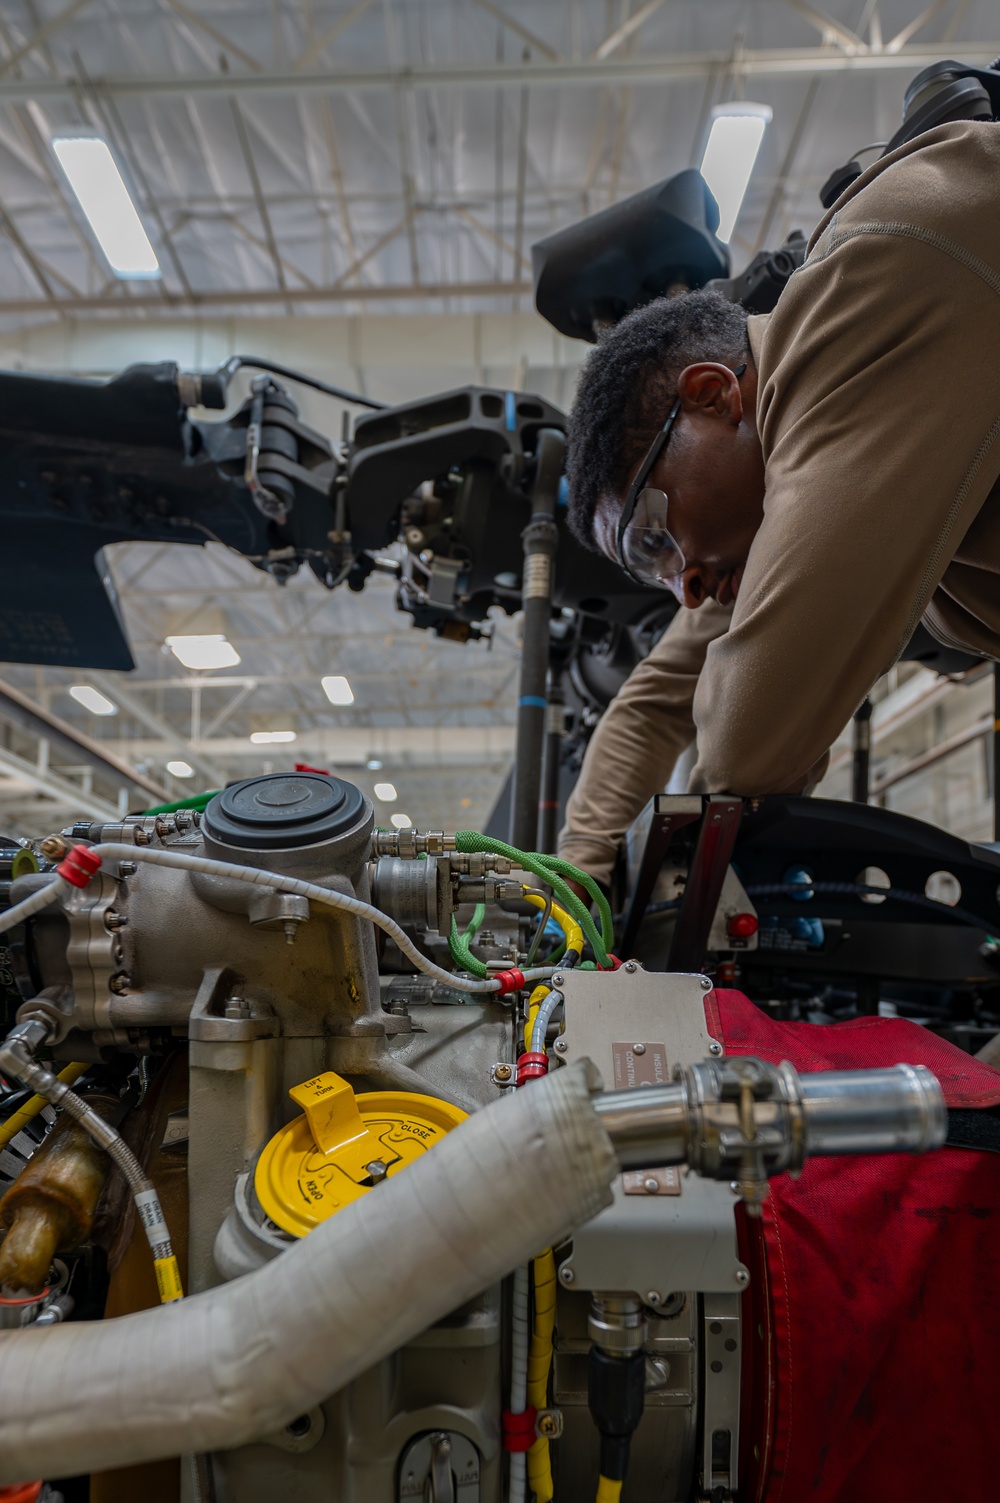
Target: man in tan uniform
point(827, 482)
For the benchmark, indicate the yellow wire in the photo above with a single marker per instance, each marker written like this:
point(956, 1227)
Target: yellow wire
point(539, 1366)
point(574, 942)
point(34, 1105)
point(608, 1491)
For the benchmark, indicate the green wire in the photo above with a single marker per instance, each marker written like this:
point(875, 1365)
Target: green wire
point(458, 944)
point(470, 841)
point(196, 801)
point(564, 869)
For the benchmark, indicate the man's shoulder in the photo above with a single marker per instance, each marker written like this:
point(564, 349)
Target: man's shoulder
point(939, 181)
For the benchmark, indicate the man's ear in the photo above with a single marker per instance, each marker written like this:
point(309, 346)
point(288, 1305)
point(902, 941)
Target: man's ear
point(710, 389)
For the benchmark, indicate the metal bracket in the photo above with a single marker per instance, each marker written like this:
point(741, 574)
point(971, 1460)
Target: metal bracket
point(709, 864)
point(721, 1334)
point(209, 1021)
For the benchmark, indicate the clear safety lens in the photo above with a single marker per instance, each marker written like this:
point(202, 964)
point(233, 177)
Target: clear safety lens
point(648, 550)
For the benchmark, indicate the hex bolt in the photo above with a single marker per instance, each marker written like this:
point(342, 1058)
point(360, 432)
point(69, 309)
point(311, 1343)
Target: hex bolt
point(638, 1048)
point(566, 1275)
point(236, 1007)
point(54, 848)
point(560, 1046)
point(715, 1047)
point(114, 921)
point(120, 983)
point(127, 868)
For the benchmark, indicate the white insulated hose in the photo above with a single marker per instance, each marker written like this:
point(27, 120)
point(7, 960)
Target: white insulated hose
point(111, 851)
point(223, 1368)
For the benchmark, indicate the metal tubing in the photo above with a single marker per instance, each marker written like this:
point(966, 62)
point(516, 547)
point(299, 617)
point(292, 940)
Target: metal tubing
point(554, 732)
point(540, 538)
point(900, 1110)
point(649, 1128)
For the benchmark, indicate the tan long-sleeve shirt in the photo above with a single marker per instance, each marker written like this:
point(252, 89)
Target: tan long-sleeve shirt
point(879, 417)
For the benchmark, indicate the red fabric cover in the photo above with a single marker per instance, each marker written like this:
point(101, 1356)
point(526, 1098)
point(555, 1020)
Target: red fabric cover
point(873, 1319)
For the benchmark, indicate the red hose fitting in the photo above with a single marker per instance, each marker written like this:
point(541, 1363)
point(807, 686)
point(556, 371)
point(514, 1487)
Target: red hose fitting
point(21, 1492)
point(77, 867)
point(531, 1065)
point(518, 1430)
point(615, 965)
point(510, 981)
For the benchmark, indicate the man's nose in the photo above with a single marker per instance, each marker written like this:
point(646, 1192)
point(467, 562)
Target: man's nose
point(691, 588)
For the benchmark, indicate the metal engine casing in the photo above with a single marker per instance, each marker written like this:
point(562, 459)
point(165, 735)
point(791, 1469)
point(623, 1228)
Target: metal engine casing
point(153, 954)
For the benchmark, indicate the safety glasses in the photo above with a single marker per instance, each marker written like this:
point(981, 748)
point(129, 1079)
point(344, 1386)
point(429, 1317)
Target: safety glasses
point(646, 549)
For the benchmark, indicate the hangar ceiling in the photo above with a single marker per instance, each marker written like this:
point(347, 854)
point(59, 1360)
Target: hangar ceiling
point(355, 188)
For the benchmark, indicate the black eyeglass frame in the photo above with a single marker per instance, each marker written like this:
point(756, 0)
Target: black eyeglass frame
point(643, 473)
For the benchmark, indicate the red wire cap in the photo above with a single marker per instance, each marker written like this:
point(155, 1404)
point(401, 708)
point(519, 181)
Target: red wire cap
point(21, 1492)
point(518, 1430)
point(77, 867)
point(510, 981)
point(531, 1065)
point(615, 965)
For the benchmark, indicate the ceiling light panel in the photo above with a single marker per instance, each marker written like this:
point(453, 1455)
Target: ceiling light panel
point(733, 144)
point(401, 821)
point(180, 769)
point(93, 175)
point(386, 793)
point(93, 700)
point(203, 653)
point(272, 738)
point(337, 690)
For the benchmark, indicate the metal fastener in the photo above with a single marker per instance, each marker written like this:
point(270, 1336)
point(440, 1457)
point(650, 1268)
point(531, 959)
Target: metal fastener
point(638, 1048)
point(378, 1170)
point(652, 1296)
point(558, 980)
point(566, 1275)
point(549, 1423)
point(127, 868)
point(120, 983)
point(630, 966)
point(114, 921)
point(706, 983)
point(742, 1277)
point(715, 1047)
point(501, 1074)
point(560, 1046)
point(651, 1186)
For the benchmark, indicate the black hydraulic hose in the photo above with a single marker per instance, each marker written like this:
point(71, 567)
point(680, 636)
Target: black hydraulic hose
point(554, 732)
point(897, 894)
point(540, 539)
point(260, 363)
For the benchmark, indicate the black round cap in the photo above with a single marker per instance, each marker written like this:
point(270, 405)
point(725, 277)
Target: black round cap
point(282, 810)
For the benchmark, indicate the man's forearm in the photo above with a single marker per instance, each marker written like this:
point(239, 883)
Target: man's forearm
point(638, 741)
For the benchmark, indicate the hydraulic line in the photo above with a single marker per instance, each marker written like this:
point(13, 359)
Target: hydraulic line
point(460, 944)
point(539, 1367)
point(608, 1491)
point(16, 1060)
point(534, 1003)
point(35, 1104)
point(114, 851)
point(543, 1017)
point(550, 870)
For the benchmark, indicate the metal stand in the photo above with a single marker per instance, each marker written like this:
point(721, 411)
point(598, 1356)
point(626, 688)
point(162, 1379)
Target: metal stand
point(540, 539)
point(861, 773)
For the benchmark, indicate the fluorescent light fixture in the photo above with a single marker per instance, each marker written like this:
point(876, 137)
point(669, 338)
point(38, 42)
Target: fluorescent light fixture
point(386, 792)
point(92, 700)
point(93, 175)
point(402, 821)
point(204, 652)
point(271, 738)
point(733, 144)
point(180, 770)
point(337, 690)
point(373, 764)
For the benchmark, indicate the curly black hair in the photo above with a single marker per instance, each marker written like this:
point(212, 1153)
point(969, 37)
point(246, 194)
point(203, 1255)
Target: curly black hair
point(627, 387)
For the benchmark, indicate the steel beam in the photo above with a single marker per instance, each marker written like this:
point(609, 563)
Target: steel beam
point(61, 790)
point(171, 304)
point(112, 685)
point(779, 62)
